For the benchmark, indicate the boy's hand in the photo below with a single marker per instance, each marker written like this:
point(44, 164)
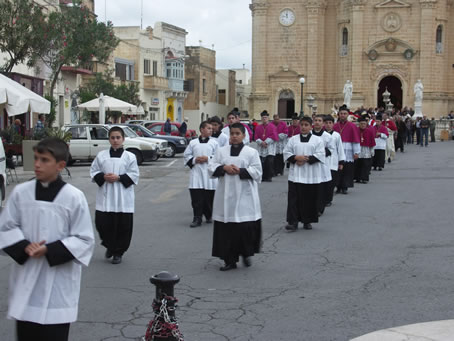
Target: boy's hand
point(201, 159)
point(236, 169)
point(111, 178)
point(36, 250)
point(301, 159)
point(229, 169)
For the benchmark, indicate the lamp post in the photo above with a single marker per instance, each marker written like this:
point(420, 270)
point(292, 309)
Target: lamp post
point(310, 102)
point(302, 80)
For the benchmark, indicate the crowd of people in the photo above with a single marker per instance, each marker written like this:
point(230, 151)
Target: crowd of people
point(47, 229)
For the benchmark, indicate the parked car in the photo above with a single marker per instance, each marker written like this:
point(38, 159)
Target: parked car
point(176, 144)
point(89, 139)
point(158, 128)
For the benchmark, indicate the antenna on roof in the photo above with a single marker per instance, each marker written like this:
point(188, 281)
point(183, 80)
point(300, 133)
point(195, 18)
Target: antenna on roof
point(141, 14)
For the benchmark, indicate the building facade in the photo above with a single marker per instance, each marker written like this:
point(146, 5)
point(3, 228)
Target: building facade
point(226, 91)
point(243, 90)
point(376, 44)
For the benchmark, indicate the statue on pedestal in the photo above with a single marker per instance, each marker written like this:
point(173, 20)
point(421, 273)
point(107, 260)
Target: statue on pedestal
point(419, 92)
point(348, 93)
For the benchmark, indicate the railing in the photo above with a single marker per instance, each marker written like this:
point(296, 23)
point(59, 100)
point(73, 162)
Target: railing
point(155, 83)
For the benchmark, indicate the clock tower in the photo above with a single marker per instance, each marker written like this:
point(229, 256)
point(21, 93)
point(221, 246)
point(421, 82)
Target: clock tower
point(377, 44)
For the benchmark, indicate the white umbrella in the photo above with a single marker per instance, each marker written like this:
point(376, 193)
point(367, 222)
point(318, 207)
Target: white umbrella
point(17, 99)
point(107, 103)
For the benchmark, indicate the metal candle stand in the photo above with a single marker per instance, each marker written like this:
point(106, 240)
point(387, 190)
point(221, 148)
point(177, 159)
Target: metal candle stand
point(164, 325)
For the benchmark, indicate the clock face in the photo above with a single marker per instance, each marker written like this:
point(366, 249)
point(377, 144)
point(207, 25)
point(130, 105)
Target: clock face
point(287, 17)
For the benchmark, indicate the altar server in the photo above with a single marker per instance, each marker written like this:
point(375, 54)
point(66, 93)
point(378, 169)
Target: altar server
point(217, 134)
point(282, 132)
point(234, 117)
point(381, 138)
point(326, 166)
point(306, 154)
point(115, 171)
point(236, 211)
point(266, 137)
point(46, 228)
point(337, 158)
point(349, 133)
point(364, 162)
point(201, 185)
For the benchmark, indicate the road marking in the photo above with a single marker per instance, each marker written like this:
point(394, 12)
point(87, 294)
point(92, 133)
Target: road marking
point(170, 164)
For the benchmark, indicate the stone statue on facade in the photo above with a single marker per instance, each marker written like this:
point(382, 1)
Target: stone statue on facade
point(348, 93)
point(419, 93)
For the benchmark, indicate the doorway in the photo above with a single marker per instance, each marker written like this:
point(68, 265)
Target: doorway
point(286, 104)
point(394, 86)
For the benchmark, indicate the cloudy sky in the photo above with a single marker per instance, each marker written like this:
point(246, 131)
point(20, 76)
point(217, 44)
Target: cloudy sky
point(224, 23)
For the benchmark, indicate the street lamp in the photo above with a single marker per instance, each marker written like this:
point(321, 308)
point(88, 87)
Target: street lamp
point(302, 80)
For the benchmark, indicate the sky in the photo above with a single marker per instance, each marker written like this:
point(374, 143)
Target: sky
point(226, 24)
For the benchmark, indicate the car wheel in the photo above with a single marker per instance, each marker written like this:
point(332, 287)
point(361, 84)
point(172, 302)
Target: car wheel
point(172, 151)
point(155, 157)
point(138, 155)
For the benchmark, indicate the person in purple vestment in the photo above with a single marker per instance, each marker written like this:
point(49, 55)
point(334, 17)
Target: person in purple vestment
point(266, 137)
point(364, 162)
point(282, 132)
point(349, 133)
point(294, 128)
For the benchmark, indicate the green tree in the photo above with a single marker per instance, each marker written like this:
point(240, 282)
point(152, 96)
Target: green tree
point(76, 38)
point(23, 30)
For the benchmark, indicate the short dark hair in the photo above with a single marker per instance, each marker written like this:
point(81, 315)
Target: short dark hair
point(328, 118)
point(320, 116)
point(204, 124)
point(306, 119)
point(116, 128)
point(239, 126)
point(232, 114)
point(57, 147)
point(40, 116)
point(215, 119)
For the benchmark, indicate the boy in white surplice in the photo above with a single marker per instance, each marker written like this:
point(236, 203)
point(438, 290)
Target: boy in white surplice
point(116, 172)
point(46, 228)
point(201, 186)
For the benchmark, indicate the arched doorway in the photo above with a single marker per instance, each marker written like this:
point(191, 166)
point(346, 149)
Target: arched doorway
point(286, 104)
point(394, 86)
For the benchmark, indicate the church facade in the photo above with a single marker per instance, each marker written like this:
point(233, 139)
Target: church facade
point(376, 44)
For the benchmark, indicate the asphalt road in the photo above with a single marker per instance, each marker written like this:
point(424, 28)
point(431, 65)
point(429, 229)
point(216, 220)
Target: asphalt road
point(380, 257)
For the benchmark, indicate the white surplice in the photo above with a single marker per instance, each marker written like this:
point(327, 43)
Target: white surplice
point(199, 177)
point(38, 292)
point(307, 173)
point(328, 141)
point(222, 139)
point(339, 154)
point(114, 197)
point(237, 200)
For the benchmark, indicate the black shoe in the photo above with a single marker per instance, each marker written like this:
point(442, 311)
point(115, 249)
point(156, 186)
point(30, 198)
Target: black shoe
point(389, 160)
point(116, 259)
point(108, 254)
point(328, 204)
point(291, 227)
point(364, 182)
point(344, 191)
point(375, 168)
point(228, 267)
point(196, 222)
point(247, 262)
point(307, 227)
point(209, 221)
point(319, 214)
point(338, 190)
point(380, 169)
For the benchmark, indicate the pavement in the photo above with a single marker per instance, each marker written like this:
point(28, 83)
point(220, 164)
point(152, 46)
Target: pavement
point(380, 257)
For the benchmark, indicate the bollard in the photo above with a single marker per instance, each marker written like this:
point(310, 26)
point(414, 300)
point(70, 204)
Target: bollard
point(164, 325)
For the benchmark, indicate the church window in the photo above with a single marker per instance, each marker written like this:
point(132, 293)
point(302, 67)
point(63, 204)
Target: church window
point(344, 47)
point(439, 39)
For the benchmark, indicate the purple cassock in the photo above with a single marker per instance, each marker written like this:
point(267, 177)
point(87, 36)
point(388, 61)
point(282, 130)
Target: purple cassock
point(382, 129)
point(281, 128)
point(348, 131)
point(263, 132)
point(367, 137)
point(292, 130)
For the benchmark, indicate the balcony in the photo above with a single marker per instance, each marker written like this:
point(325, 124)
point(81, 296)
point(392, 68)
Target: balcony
point(155, 83)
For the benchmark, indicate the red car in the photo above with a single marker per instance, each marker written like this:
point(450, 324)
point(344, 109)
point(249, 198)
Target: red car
point(158, 128)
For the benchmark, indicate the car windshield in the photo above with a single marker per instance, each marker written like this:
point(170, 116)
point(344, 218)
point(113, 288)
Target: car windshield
point(129, 132)
point(147, 132)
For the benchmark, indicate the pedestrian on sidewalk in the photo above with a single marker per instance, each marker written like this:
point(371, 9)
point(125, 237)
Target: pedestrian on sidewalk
point(46, 228)
point(381, 136)
point(336, 160)
point(306, 154)
point(115, 171)
point(418, 130)
point(401, 134)
point(433, 126)
point(201, 186)
point(168, 127)
point(236, 210)
point(425, 124)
